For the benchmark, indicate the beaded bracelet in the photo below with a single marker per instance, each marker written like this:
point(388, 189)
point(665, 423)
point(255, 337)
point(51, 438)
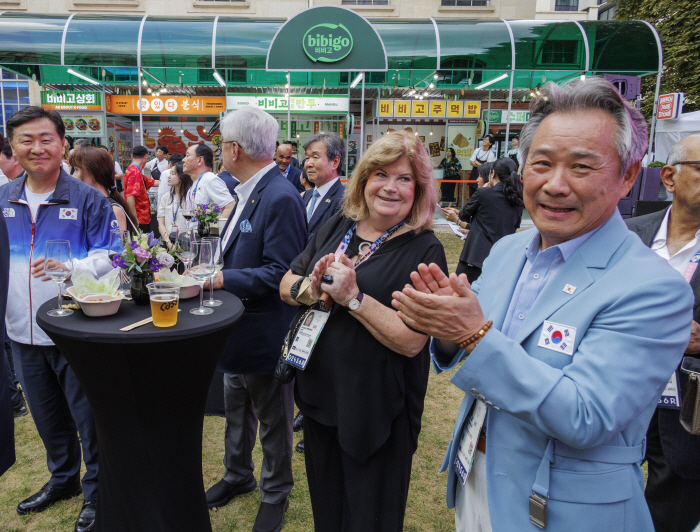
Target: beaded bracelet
point(476, 336)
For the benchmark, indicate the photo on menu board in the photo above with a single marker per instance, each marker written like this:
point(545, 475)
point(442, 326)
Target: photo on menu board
point(435, 149)
point(352, 147)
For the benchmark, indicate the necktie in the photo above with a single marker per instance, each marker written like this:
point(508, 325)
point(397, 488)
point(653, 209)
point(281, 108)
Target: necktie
point(312, 204)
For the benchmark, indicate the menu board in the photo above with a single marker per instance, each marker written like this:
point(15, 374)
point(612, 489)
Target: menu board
point(84, 125)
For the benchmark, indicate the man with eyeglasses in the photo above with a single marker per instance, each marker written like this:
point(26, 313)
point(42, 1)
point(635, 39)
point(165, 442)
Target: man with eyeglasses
point(673, 486)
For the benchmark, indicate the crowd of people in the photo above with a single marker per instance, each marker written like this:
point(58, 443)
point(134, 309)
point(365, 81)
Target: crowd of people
point(562, 338)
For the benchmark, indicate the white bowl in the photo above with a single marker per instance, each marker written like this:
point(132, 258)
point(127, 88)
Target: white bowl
point(187, 292)
point(96, 305)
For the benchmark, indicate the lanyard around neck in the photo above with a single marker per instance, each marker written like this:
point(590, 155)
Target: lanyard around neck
point(343, 246)
point(691, 266)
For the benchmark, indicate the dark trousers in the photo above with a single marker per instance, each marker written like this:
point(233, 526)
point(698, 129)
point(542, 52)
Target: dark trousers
point(247, 400)
point(60, 411)
point(146, 228)
point(473, 272)
point(350, 496)
point(12, 382)
point(672, 499)
point(447, 190)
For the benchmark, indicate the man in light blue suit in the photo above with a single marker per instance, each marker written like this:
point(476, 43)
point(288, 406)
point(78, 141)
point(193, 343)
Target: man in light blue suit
point(585, 326)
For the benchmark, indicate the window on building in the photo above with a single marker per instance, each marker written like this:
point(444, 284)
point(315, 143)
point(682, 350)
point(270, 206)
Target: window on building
point(467, 3)
point(565, 5)
point(14, 95)
point(365, 2)
point(560, 52)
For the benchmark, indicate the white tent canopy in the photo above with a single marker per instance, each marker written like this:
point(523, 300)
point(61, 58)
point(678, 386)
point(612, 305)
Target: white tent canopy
point(670, 131)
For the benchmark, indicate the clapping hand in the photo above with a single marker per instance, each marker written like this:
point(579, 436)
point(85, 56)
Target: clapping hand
point(443, 307)
point(452, 215)
point(344, 287)
point(315, 289)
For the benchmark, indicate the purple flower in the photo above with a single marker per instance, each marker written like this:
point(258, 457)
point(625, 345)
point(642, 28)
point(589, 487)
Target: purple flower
point(150, 239)
point(133, 244)
point(166, 259)
point(141, 254)
point(217, 208)
point(118, 262)
point(155, 266)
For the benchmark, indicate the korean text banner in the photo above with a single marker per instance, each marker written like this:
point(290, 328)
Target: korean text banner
point(277, 103)
point(167, 105)
point(71, 100)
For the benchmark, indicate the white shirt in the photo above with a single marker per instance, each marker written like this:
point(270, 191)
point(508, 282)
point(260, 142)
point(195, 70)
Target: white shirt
point(117, 168)
point(243, 191)
point(680, 260)
point(322, 191)
point(166, 208)
point(163, 186)
point(3, 179)
point(162, 165)
point(210, 188)
point(34, 200)
point(516, 152)
point(480, 152)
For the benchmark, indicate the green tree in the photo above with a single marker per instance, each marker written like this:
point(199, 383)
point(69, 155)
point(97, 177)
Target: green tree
point(678, 24)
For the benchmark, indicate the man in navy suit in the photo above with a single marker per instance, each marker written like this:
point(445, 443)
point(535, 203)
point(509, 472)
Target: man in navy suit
point(283, 156)
point(325, 155)
point(265, 232)
point(231, 182)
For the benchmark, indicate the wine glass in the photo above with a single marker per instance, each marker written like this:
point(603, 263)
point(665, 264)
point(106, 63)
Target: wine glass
point(218, 260)
point(117, 238)
point(187, 209)
point(58, 265)
point(185, 248)
point(202, 269)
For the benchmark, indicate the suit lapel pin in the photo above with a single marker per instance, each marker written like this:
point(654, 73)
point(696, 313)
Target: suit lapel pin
point(569, 289)
point(328, 201)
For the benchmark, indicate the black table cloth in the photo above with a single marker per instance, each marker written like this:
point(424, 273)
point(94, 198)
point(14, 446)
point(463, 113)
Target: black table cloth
point(147, 389)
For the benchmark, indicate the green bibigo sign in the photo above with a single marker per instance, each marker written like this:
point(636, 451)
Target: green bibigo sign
point(327, 42)
point(327, 38)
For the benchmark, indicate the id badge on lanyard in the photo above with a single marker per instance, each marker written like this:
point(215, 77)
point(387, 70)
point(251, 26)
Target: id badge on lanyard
point(464, 458)
point(671, 396)
point(306, 337)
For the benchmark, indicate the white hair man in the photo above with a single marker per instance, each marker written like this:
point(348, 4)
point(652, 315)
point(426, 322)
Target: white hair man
point(264, 233)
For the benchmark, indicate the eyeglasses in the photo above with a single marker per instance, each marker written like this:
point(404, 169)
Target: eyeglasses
point(686, 162)
point(230, 141)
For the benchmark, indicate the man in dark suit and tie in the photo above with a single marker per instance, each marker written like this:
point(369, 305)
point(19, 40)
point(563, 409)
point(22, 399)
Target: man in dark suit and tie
point(7, 422)
point(264, 233)
point(672, 454)
point(325, 155)
point(283, 156)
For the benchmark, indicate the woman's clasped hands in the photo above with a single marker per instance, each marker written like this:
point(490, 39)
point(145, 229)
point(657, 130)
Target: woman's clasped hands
point(344, 286)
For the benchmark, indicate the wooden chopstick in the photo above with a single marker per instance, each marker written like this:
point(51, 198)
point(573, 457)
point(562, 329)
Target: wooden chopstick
point(139, 323)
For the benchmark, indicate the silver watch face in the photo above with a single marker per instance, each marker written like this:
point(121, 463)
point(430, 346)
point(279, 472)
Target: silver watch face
point(354, 304)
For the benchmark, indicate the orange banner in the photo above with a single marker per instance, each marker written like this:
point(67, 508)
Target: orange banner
point(166, 105)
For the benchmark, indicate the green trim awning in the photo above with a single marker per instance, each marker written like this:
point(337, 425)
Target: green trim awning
point(186, 50)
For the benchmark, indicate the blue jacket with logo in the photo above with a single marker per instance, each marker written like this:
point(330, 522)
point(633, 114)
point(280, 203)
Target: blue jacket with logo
point(75, 212)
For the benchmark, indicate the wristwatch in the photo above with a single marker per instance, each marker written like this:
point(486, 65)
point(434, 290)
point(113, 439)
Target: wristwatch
point(354, 303)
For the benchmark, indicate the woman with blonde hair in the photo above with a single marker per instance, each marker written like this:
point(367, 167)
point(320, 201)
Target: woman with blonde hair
point(363, 387)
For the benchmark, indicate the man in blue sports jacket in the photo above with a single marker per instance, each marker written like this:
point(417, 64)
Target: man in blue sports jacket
point(49, 204)
point(588, 325)
point(264, 233)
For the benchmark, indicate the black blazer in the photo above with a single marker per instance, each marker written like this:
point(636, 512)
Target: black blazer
point(268, 236)
point(681, 449)
point(330, 205)
point(294, 177)
point(491, 217)
point(7, 422)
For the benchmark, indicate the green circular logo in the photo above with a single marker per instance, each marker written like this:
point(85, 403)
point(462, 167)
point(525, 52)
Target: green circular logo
point(327, 43)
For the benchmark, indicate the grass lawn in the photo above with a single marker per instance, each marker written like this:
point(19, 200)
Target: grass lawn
point(426, 510)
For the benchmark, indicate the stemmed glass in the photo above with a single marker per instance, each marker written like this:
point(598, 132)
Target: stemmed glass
point(117, 238)
point(58, 265)
point(218, 260)
point(202, 269)
point(185, 248)
point(187, 209)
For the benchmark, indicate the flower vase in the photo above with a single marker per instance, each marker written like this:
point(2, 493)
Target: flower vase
point(203, 229)
point(139, 292)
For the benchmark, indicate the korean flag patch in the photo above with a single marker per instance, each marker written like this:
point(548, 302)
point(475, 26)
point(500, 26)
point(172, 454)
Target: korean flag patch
point(557, 337)
point(68, 214)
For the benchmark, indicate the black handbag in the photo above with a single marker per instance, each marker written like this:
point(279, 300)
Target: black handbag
point(690, 408)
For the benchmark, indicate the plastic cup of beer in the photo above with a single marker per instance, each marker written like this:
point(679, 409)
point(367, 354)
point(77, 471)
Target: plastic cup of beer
point(165, 298)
